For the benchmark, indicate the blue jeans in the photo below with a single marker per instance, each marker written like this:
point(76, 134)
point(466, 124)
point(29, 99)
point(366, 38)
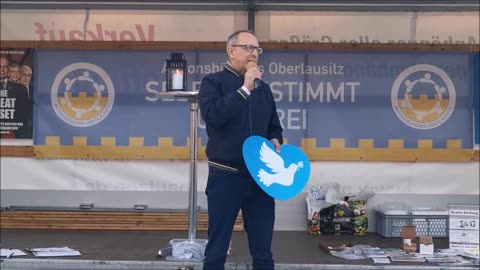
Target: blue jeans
point(227, 193)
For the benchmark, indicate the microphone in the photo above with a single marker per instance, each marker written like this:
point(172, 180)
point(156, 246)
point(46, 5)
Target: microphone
point(257, 83)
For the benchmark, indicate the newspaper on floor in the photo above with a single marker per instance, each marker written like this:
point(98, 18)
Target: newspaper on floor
point(54, 252)
point(472, 253)
point(357, 252)
point(10, 252)
point(380, 260)
point(409, 257)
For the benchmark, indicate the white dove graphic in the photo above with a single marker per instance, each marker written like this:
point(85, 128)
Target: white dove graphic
point(280, 174)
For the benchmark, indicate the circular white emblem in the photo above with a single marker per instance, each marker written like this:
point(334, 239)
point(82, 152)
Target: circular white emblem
point(423, 96)
point(82, 94)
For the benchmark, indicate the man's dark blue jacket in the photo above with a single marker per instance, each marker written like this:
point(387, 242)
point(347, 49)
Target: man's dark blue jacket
point(231, 115)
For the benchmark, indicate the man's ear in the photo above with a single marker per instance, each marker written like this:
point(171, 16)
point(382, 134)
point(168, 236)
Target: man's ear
point(229, 51)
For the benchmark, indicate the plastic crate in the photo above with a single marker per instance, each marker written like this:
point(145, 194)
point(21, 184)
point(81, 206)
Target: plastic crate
point(391, 225)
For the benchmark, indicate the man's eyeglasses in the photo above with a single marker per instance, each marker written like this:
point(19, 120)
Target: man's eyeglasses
point(250, 48)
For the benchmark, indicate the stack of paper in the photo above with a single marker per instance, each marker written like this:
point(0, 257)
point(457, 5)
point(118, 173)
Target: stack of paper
point(394, 251)
point(450, 251)
point(381, 260)
point(471, 253)
point(441, 258)
point(374, 252)
point(54, 252)
point(407, 258)
point(9, 252)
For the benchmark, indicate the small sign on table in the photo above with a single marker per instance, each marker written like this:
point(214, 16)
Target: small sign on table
point(464, 226)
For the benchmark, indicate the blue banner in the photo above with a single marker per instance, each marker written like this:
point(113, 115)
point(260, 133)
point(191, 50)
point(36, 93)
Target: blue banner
point(325, 99)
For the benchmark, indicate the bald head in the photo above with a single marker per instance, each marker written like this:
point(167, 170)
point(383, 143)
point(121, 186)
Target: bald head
point(25, 75)
point(3, 67)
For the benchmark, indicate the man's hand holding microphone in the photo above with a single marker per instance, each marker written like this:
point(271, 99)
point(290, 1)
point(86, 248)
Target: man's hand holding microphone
point(253, 76)
point(253, 80)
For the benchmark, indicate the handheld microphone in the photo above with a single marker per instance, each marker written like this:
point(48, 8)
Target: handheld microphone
point(257, 83)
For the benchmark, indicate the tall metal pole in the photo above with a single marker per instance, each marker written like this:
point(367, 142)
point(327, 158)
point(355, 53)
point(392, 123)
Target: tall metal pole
point(192, 198)
point(251, 15)
point(192, 207)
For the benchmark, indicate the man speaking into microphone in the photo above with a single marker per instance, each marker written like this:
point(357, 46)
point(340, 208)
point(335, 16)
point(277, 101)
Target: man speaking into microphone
point(235, 105)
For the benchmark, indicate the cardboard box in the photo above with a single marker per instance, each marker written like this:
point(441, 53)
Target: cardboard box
point(409, 241)
point(425, 244)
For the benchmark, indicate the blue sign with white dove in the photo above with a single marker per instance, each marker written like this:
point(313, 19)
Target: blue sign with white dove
point(281, 175)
